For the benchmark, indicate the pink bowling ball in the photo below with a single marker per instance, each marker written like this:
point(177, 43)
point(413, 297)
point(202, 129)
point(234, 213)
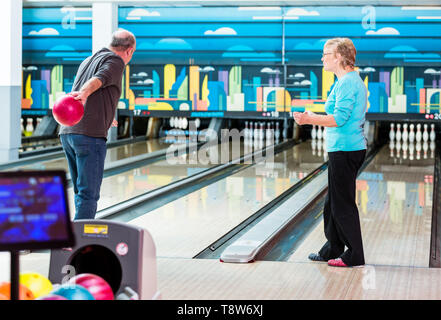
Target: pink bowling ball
point(67, 111)
point(96, 285)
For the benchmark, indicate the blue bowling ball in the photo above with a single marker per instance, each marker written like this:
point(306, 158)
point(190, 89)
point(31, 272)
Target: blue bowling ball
point(73, 292)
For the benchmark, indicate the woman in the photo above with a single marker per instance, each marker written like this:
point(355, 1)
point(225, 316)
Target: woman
point(346, 145)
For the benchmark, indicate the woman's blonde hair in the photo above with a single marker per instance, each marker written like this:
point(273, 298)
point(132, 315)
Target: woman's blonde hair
point(345, 47)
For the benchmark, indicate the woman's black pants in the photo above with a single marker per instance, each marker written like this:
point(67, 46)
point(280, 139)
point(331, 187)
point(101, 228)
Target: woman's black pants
point(340, 213)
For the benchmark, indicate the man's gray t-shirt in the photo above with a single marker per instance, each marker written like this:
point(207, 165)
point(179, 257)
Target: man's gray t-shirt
point(100, 107)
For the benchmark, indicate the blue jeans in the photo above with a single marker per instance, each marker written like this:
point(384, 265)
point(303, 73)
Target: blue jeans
point(85, 156)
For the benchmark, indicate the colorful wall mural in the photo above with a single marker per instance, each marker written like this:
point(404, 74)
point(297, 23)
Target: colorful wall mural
point(239, 59)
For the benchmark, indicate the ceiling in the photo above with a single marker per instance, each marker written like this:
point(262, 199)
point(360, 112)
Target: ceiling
point(253, 3)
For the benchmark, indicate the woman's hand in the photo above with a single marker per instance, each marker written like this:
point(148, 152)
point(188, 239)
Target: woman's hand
point(303, 117)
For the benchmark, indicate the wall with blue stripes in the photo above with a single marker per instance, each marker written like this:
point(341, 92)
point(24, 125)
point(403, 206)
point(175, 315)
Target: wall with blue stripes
point(276, 52)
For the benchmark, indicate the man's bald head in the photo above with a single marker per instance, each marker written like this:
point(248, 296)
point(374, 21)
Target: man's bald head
point(123, 44)
point(122, 40)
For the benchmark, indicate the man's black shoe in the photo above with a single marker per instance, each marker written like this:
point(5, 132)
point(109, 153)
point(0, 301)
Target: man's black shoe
point(316, 257)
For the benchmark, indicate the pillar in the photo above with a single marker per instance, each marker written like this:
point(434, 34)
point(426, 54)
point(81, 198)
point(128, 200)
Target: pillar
point(10, 79)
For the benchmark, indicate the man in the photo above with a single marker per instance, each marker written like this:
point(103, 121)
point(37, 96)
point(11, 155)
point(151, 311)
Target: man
point(98, 86)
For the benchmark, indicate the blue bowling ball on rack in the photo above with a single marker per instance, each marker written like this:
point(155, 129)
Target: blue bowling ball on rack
point(73, 292)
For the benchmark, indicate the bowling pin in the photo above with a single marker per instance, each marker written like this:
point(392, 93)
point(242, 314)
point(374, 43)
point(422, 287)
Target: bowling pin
point(398, 147)
point(172, 122)
point(425, 149)
point(411, 133)
point(256, 131)
point(277, 132)
point(313, 146)
point(404, 147)
point(319, 147)
point(29, 127)
point(245, 141)
point(405, 134)
point(314, 132)
point(245, 131)
point(324, 134)
point(392, 132)
point(197, 122)
point(22, 127)
point(273, 128)
point(432, 135)
point(261, 133)
point(398, 133)
point(391, 148)
point(319, 133)
point(432, 149)
point(418, 133)
point(411, 150)
point(425, 133)
point(418, 149)
point(250, 131)
point(268, 131)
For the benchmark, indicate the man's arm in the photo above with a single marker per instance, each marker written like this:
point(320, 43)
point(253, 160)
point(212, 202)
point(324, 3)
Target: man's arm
point(87, 89)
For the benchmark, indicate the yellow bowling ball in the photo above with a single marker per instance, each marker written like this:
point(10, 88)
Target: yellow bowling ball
point(38, 284)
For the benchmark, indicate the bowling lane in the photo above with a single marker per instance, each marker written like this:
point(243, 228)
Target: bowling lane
point(132, 183)
point(394, 197)
point(186, 226)
point(39, 144)
point(113, 154)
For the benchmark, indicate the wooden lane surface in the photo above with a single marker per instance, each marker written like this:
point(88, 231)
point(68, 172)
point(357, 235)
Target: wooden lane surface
point(188, 279)
point(209, 279)
point(188, 225)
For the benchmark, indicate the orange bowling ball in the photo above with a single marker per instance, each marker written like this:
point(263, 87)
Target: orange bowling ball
point(24, 292)
point(67, 111)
